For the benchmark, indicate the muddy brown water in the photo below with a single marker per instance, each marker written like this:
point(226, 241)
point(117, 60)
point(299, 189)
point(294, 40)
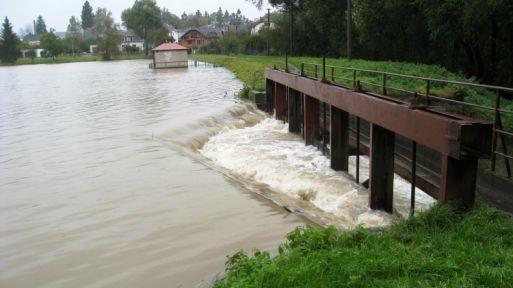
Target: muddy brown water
point(115, 175)
point(91, 196)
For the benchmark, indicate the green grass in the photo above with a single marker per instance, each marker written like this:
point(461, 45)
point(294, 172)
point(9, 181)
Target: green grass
point(250, 70)
point(438, 248)
point(69, 59)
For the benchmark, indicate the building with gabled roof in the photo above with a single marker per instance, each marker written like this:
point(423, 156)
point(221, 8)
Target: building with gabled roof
point(197, 37)
point(170, 55)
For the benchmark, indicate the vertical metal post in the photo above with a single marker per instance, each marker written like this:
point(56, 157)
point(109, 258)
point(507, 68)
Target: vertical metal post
point(381, 168)
point(280, 102)
point(286, 62)
point(302, 69)
point(349, 36)
point(413, 176)
point(311, 122)
point(339, 139)
point(357, 150)
point(324, 129)
point(324, 68)
point(291, 7)
point(384, 84)
point(428, 88)
point(495, 124)
point(504, 146)
point(458, 179)
point(354, 80)
point(332, 74)
point(316, 75)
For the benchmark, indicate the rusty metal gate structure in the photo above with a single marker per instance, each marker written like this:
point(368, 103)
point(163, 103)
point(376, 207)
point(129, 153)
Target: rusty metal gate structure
point(305, 101)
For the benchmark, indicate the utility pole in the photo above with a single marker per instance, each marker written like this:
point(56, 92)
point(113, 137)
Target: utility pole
point(291, 7)
point(349, 20)
point(268, 28)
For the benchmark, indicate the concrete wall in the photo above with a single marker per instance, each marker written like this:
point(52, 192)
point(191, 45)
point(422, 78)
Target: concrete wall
point(171, 59)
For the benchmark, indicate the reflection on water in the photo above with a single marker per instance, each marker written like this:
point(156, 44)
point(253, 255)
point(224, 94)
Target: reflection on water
point(93, 191)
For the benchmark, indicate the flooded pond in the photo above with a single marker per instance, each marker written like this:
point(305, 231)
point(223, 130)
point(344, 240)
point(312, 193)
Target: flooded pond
point(90, 195)
point(115, 175)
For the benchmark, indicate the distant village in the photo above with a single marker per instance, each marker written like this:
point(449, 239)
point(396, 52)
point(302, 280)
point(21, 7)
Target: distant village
point(192, 31)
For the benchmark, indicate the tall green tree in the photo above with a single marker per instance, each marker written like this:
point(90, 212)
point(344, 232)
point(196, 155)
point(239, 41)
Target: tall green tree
point(109, 39)
point(52, 44)
point(74, 34)
point(171, 19)
point(144, 17)
point(87, 16)
point(9, 42)
point(40, 26)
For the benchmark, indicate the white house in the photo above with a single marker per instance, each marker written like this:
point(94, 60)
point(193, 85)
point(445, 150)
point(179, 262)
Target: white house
point(131, 39)
point(261, 23)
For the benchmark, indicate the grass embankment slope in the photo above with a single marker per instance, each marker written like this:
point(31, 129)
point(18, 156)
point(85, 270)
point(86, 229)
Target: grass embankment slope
point(250, 69)
point(69, 59)
point(439, 248)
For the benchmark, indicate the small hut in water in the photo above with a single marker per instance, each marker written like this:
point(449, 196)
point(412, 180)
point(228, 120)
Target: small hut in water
point(169, 55)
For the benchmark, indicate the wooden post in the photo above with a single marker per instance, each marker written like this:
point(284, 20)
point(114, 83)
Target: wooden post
point(381, 180)
point(311, 119)
point(280, 102)
point(458, 180)
point(270, 95)
point(339, 139)
point(294, 113)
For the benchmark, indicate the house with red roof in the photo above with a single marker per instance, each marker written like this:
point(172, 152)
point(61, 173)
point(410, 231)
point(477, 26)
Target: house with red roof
point(170, 55)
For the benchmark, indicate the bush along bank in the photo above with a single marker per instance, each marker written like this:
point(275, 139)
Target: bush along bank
point(442, 247)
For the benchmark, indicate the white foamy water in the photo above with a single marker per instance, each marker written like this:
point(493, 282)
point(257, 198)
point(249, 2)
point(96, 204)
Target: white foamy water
point(266, 153)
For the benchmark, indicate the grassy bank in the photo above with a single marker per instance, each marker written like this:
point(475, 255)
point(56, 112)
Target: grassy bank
point(250, 69)
point(246, 67)
point(439, 248)
point(70, 59)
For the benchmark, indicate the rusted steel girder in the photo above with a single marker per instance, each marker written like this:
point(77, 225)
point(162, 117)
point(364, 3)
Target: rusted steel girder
point(381, 176)
point(339, 141)
point(311, 119)
point(450, 135)
point(458, 177)
point(270, 89)
point(280, 102)
point(294, 112)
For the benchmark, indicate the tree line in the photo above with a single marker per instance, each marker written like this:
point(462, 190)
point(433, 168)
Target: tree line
point(150, 22)
point(469, 36)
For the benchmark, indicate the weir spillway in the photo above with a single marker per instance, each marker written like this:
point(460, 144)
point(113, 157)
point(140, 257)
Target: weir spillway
point(460, 141)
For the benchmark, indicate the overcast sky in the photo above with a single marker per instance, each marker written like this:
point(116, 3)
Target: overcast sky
point(57, 13)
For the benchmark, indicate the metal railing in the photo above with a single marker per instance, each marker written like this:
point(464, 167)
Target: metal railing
point(355, 79)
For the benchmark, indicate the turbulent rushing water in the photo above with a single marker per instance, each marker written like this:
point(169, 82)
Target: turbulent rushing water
point(112, 174)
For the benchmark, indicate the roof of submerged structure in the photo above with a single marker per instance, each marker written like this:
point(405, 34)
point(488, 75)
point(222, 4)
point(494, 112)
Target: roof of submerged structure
point(169, 47)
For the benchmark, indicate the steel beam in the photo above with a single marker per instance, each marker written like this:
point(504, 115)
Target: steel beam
point(270, 89)
point(451, 135)
point(294, 111)
point(339, 141)
point(280, 102)
point(458, 179)
point(381, 180)
point(311, 119)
